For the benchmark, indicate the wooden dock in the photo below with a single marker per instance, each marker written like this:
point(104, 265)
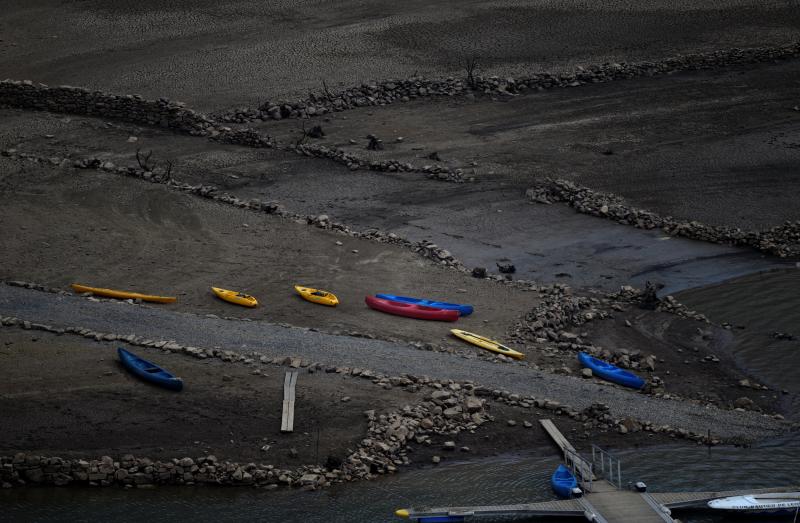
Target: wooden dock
point(580, 464)
point(602, 502)
point(623, 506)
point(287, 418)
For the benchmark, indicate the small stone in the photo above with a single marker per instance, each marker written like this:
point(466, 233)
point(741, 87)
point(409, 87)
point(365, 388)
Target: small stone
point(506, 267)
point(511, 423)
point(436, 460)
point(479, 272)
point(586, 373)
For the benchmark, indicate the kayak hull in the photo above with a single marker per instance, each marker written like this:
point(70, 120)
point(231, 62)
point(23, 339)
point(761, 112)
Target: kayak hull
point(237, 298)
point(486, 343)
point(122, 295)
point(317, 296)
point(410, 310)
point(563, 481)
point(610, 372)
point(463, 310)
point(777, 503)
point(149, 371)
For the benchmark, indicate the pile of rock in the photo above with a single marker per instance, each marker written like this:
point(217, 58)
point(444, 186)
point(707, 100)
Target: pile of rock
point(627, 359)
point(129, 471)
point(782, 240)
point(629, 294)
point(383, 93)
point(558, 310)
point(246, 137)
point(448, 410)
point(131, 108)
point(35, 286)
point(354, 163)
point(392, 91)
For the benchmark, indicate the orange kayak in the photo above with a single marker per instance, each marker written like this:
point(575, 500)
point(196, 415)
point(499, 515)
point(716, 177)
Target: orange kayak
point(122, 295)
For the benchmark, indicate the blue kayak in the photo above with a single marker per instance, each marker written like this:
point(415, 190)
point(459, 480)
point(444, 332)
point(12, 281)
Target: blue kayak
point(149, 371)
point(611, 372)
point(563, 481)
point(463, 310)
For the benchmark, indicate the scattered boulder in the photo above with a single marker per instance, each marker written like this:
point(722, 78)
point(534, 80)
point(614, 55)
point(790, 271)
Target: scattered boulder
point(506, 267)
point(479, 272)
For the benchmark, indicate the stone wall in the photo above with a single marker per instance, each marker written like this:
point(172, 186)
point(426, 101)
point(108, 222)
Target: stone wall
point(782, 240)
point(393, 91)
point(131, 108)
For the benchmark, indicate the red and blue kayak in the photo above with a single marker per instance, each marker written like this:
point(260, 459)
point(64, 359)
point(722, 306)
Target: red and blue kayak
point(410, 310)
point(610, 372)
point(149, 371)
point(464, 310)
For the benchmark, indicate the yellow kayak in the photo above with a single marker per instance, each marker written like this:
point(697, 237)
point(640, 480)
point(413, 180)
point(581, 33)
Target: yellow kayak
point(317, 296)
point(245, 300)
point(122, 295)
point(486, 343)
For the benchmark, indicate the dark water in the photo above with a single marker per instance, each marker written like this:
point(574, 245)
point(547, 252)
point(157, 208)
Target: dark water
point(503, 479)
point(757, 306)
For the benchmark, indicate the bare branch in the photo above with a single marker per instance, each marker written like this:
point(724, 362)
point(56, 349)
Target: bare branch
point(470, 64)
point(326, 91)
point(144, 159)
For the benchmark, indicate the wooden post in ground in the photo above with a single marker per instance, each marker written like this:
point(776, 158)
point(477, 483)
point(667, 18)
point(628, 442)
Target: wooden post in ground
point(287, 418)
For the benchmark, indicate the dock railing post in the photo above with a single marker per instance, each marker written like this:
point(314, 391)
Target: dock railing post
point(603, 455)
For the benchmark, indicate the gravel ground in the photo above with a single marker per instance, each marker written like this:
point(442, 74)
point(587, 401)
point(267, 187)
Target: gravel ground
point(272, 340)
point(214, 54)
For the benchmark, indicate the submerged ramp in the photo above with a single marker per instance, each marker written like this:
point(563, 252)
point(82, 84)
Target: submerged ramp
point(564, 507)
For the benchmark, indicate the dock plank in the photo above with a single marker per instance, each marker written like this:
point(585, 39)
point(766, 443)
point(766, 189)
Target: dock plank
point(581, 464)
point(564, 507)
point(287, 416)
point(625, 506)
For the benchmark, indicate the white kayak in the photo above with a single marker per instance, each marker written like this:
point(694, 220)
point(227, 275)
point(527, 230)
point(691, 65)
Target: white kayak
point(763, 503)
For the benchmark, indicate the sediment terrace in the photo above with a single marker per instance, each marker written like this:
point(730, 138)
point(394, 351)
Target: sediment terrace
point(275, 341)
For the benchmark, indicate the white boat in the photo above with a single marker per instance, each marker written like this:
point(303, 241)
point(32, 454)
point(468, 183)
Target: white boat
point(759, 503)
